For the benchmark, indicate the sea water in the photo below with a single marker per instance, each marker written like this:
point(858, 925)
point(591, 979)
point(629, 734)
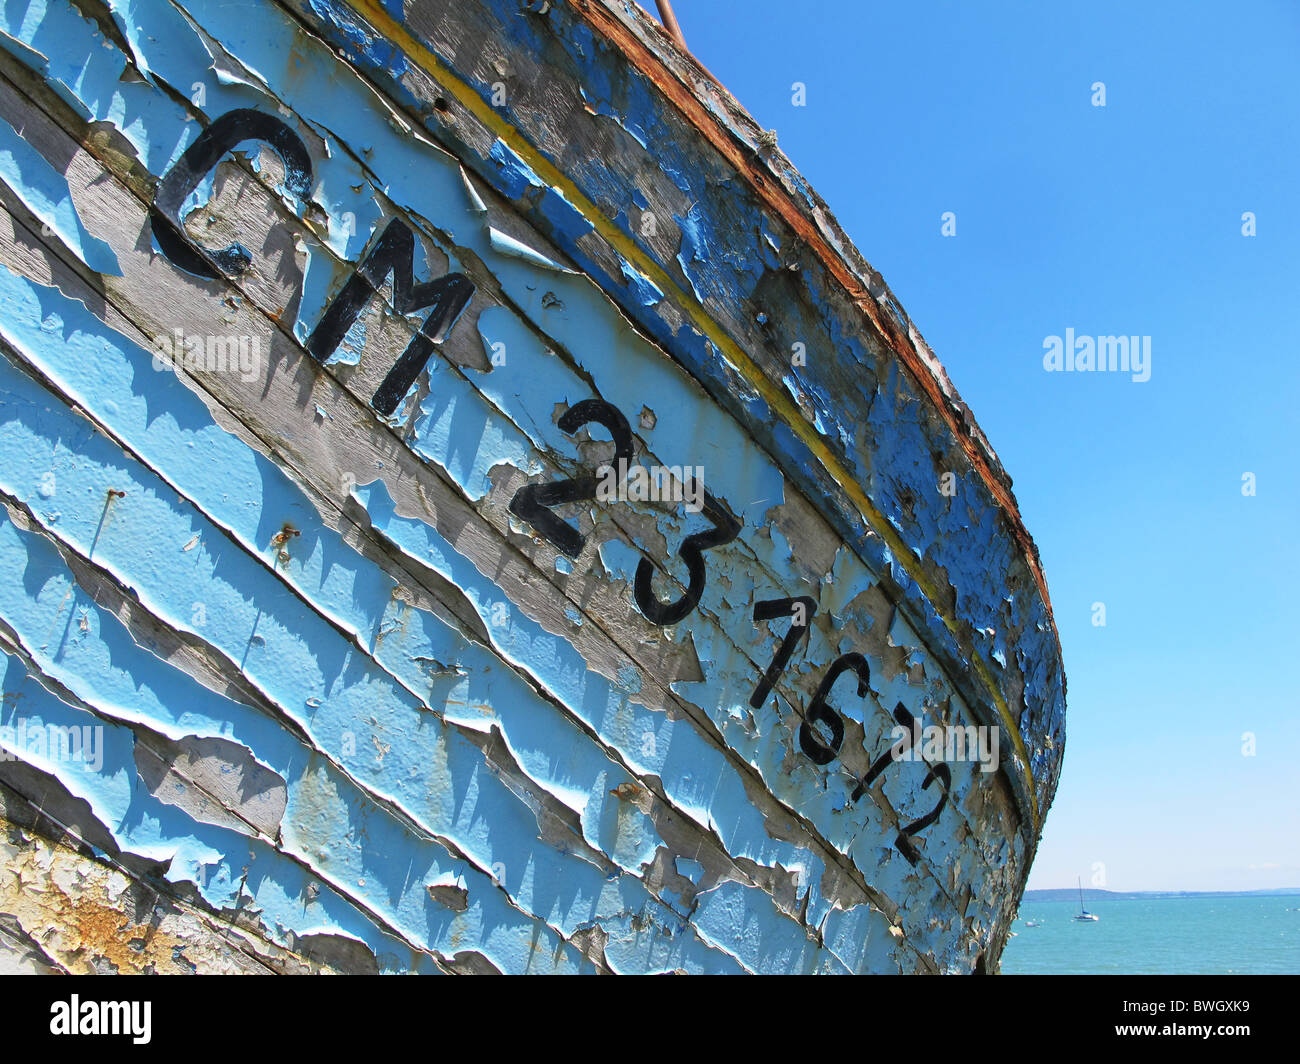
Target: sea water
point(1158, 936)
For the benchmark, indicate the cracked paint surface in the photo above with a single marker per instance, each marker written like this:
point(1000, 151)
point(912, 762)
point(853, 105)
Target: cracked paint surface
point(344, 691)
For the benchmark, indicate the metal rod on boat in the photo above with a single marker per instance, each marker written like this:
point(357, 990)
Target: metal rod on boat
point(669, 20)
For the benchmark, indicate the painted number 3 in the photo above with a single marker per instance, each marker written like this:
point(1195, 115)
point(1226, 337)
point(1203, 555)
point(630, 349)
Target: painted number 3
point(533, 503)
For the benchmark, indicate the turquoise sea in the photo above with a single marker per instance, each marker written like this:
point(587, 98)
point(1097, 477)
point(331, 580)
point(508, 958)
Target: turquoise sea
point(1158, 936)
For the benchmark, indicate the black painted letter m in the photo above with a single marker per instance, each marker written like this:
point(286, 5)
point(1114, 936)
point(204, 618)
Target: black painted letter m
point(394, 252)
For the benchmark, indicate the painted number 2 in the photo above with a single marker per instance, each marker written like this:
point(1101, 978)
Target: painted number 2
point(938, 772)
point(533, 502)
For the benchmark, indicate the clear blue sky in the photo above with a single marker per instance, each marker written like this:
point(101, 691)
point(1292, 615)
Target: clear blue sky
point(1123, 219)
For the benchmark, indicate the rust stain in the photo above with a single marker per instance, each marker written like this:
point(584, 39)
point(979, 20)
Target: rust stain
point(284, 535)
point(54, 897)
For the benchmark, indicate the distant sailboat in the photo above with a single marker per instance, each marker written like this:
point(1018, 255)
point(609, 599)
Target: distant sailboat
point(1083, 913)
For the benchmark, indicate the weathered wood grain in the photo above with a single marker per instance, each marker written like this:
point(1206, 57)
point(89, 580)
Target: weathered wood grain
point(388, 543)
point(839, 378)
point(600, 604)
point(702, 851)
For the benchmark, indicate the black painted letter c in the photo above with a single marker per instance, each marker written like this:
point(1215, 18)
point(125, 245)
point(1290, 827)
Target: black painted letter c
point(196, 162)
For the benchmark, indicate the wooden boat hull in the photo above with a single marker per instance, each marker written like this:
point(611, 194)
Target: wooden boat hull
point(493, 521)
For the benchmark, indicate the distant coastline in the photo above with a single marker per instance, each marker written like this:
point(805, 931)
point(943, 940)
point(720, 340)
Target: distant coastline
point(1068, 893)
point(1153, 932)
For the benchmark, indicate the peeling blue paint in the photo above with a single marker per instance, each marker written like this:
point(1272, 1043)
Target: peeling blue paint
point(393, 702)
point(959, 550)
point(288, 669)
point(45, 193)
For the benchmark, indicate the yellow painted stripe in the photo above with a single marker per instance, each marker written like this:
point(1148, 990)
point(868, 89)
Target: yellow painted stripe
point(776, 399)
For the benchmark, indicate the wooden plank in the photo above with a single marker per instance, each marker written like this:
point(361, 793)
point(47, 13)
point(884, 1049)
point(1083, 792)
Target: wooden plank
point(425, 499)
